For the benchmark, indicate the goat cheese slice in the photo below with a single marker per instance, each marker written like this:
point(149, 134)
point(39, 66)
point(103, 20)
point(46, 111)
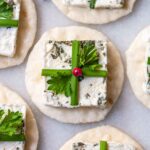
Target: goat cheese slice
point(146, 85)
point(96, 146)
point(93, 91)
point(8, 35)
point(13, 145)
point(99, 3)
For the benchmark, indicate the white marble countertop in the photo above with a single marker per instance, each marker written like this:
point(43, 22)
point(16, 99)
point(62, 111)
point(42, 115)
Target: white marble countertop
point(128, 114)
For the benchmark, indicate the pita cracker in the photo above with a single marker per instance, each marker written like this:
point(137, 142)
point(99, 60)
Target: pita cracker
point(96, 16)
point(35, 82)
point(101, 133)
point(135, 57)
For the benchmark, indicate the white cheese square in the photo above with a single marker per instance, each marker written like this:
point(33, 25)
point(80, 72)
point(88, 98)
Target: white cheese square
point(99, 3)
point(92, 91)
point(96, 146)
point(13, 145)
point(8, 36)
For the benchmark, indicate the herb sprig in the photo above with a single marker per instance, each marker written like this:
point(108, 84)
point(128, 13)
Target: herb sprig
point(88, 54)
point(11, 124)
point(148, 61)
point(60, 85)
point(6, 10)
point(92, 3)
point(1, 113)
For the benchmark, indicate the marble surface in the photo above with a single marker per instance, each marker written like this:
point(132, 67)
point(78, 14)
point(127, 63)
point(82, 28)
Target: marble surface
point(128, 114)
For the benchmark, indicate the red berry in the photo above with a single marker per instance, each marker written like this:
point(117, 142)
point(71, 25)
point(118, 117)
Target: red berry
point(77, 72)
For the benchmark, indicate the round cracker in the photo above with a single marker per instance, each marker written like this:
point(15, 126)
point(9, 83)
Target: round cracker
point(135, 56)
point(9, 97)
point(101, 133)
point(26, 35)
point(95, 16)
point(35, 82)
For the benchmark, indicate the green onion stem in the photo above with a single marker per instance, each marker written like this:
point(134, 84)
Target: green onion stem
point(7, 138)
point(97, 73)
point(74, 80)
point(148, 61)
point(54, 72)
point(8, 23)
point(92, 3)
point(103, 145)
point(74, 87)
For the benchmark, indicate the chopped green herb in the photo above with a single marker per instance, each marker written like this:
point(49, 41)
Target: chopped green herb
point(6, 10)
point(60, 81)
point(88, 54)
point(6, 15)
point(103, 145)
point(92, 3)
point(11, 125)
point(1, 113)
point(60, 85)
point(148, 61)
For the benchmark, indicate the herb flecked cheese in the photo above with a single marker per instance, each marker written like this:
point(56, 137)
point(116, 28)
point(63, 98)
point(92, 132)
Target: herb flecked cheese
point(96, 146)
point(92, 90)
point(13, 145)
point(99, 3)
point(8, 35)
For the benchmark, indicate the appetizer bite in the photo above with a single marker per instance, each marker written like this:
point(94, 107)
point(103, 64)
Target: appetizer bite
point(95, 11)
point(140, 81)
point(102, 138)
point(74, 71)
point(17, 30)
point(18, 129)
point(9, 22)
point(80, 77)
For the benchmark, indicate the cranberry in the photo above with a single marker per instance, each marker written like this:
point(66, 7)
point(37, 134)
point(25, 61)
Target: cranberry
point(77, 72)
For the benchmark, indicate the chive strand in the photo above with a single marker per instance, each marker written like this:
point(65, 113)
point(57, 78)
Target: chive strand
point(8, 23)
point(74, 80)
point(75, 53)
point(53, 72)
point(92, 4)
point(74, 88)
point(7, 138)
point(97, 73)
point(103, 145)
